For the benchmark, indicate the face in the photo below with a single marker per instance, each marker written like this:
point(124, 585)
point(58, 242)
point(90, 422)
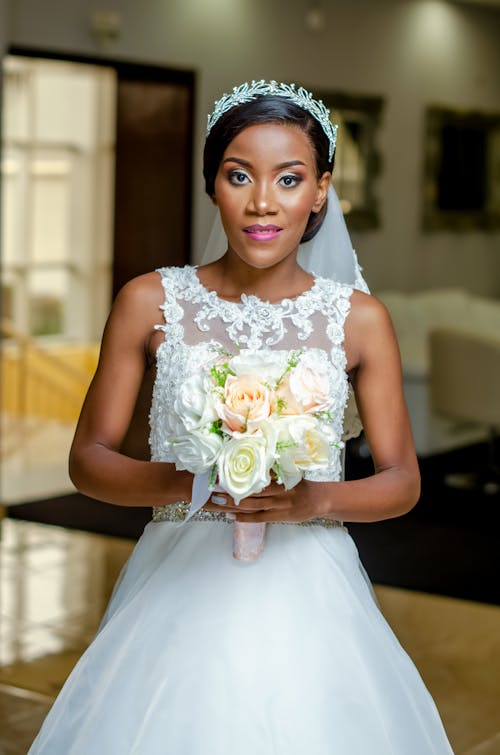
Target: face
point(266, 188)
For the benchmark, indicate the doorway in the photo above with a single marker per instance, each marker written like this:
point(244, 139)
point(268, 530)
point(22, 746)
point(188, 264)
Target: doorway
point(96, 188)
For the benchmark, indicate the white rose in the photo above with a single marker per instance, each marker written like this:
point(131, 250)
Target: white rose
point(244, 465)
point(174, 425)
point(269, 365)
point(310, 386)
point(194, 403)
point(198, 451)
point(289, 473)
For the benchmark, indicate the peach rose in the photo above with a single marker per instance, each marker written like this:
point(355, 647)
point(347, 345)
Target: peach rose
point(310, 387)
point(285, 402)
point(246, 400)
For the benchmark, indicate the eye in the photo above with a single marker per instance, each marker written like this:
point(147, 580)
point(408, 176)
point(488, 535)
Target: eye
point(289, 181)
point(238, 177)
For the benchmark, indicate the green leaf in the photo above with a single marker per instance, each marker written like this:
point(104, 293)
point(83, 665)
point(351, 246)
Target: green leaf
point(213, 475)
point(281, 404)
point(216, 427)
point(283, 445)
point(278, 472)
point(325, 416)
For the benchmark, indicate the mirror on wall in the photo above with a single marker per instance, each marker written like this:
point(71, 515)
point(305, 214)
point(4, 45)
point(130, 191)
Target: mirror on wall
point(462, 170)
point(357, 159)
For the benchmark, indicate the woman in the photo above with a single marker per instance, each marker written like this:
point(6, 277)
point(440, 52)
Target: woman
point(199, 652)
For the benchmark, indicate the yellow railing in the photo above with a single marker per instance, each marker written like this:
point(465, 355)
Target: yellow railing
point(47, 382)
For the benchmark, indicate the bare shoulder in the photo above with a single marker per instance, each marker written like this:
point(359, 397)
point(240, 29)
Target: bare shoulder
point(136, 309)
point(367, 311)
point(368, 327)
point(141, 291)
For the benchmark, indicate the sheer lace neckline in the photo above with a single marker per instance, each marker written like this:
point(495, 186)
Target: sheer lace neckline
point(212, 294)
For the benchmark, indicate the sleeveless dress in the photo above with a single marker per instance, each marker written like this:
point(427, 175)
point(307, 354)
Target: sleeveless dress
point(201, 654)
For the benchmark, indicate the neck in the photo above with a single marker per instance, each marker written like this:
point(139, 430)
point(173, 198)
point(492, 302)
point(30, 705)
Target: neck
point(231, 277)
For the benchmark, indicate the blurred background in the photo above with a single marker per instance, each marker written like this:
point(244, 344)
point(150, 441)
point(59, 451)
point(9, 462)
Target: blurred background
point(103, 121)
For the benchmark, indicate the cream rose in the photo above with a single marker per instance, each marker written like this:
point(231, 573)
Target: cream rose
point(245, 400)
point(312, 440)
point(244, 465)
point(197, 451)
point(310, 387)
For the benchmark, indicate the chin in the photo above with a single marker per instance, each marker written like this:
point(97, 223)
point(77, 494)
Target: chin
point(260, 263)
point(261, 259)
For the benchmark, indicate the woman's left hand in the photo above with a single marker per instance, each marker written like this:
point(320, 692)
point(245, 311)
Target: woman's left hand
point(275, 503)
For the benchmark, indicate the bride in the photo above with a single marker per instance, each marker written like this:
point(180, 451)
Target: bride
point(199, 652)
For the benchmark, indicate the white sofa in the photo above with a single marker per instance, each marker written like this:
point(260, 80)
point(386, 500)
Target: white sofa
point(415, 316)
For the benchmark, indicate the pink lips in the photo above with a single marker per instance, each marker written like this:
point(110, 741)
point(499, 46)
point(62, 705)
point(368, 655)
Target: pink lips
point(263, 232)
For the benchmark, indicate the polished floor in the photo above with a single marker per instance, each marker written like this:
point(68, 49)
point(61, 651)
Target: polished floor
point(55, 584)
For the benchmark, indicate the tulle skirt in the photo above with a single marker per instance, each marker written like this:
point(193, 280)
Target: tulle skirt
point(200, 654)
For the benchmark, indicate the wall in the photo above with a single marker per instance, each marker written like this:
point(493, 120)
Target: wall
point(413, 52)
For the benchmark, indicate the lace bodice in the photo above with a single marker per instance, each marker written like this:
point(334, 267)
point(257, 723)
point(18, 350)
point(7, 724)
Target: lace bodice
point(198, 323)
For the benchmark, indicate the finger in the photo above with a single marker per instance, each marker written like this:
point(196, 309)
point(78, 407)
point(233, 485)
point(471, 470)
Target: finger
point(263, 504)
point(227, 509)
point(273, 489)
point(264, 516)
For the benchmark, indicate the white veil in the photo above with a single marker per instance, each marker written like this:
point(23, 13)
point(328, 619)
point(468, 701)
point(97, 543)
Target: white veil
point(329, 254)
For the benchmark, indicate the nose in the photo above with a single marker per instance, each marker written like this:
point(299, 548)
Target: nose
point(262, 200)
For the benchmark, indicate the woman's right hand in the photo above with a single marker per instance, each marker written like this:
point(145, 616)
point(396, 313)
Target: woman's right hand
point(97, 466)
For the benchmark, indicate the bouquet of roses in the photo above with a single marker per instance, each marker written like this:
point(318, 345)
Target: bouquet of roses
point(247, 418)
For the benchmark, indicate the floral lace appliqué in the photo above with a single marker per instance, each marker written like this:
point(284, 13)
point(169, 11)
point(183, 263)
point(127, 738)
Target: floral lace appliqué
point(198, 322)
point(253, 323)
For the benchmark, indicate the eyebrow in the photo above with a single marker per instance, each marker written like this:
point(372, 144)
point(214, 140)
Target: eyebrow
point(246, 164)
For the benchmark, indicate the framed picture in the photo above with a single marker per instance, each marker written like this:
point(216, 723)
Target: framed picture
point(462, 170)
point(357, 159)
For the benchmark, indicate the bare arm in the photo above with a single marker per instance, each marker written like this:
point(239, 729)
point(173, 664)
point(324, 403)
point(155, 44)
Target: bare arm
point(373, 351)
point(97, 468)
point(375, 370)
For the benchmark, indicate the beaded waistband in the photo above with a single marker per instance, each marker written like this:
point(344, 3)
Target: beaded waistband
point(177, 512)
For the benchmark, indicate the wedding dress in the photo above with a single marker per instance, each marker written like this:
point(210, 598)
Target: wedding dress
point(201, 654)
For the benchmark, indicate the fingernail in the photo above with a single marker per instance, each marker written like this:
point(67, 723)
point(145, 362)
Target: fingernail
point(232, 517)
point(219, 499)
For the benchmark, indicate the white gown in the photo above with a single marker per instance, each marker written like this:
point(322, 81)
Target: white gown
point(201, 654)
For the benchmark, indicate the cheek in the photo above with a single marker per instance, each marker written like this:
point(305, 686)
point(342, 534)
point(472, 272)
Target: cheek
point(224, 199)
point(299, 207)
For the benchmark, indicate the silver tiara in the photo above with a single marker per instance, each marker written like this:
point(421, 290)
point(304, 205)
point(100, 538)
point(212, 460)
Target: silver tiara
point(301, 97)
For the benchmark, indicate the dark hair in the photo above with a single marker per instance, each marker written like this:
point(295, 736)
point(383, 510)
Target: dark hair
point(267, 109)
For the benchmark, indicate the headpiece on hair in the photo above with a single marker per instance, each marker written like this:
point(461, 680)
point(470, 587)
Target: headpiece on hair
point(247, 92)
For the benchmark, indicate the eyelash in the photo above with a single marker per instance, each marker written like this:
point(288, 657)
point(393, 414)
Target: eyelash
point(234, 174)
point(296, 180)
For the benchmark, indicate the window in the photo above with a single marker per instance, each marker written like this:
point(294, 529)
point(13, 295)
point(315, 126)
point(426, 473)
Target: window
point(57, 194)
